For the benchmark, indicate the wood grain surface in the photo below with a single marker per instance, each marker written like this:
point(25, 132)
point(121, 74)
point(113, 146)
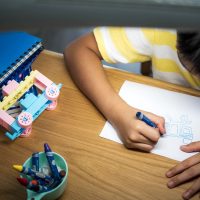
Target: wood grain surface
point(99, 169)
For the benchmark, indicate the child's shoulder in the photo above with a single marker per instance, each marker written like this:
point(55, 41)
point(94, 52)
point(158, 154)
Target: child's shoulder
point(159, 36)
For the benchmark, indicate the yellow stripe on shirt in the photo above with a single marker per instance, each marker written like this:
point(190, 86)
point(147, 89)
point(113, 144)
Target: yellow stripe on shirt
point(160, 37)
point(101, 45)
point(123, 46)
point(165, 65)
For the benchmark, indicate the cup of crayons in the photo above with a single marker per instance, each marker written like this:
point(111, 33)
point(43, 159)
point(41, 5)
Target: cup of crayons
point(44, 175)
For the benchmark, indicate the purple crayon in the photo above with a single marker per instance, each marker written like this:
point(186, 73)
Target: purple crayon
point(51, 161)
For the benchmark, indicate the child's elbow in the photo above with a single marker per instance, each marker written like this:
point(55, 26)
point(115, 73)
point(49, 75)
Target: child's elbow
point(69, 52)
point(74, 51)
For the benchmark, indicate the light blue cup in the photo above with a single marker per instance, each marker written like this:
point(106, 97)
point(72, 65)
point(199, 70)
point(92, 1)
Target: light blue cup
point(57, 191)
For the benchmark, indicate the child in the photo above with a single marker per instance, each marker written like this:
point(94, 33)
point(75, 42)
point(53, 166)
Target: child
point(175, 58)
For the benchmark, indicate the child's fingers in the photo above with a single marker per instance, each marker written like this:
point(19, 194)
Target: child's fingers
point(189, 162)
point(185, 176)
point(140, 146)
point(192, 190)
point(192, 147)
point(139, 138)
point(161, 128)
point(148, 132)
point(160, 122)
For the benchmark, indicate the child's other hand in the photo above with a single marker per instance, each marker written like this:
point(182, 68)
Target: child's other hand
point(135, 133)
point(186, 170)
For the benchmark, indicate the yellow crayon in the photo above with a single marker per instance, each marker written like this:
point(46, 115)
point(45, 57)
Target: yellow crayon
point(18, 167)
point(24, 170)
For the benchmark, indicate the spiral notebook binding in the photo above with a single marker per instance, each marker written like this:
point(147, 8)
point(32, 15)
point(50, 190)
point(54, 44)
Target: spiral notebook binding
point(19, 62)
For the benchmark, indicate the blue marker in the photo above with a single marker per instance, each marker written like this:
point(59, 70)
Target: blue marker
point(145, 119)
point(35, 161)
point(51, 161)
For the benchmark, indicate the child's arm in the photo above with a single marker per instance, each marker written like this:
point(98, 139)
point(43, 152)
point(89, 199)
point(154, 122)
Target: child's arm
point(83, 60)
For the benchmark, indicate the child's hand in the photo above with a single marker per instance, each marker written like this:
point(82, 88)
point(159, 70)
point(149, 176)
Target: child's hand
point(187, 170)
point(135, 133)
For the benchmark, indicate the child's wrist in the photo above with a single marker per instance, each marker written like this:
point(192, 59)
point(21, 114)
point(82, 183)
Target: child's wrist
point(119, 111)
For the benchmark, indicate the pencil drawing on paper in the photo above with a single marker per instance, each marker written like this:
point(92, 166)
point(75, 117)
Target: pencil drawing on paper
point(180, 128)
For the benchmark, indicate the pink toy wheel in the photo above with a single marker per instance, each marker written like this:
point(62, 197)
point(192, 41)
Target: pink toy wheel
point(26, 132)
point(52, 106)
point(52, 92)
point(25, 119)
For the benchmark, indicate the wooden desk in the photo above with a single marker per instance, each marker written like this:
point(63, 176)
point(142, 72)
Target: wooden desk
point(99, 169)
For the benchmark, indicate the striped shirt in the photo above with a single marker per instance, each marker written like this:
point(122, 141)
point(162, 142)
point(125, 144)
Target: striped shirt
point(128, 45)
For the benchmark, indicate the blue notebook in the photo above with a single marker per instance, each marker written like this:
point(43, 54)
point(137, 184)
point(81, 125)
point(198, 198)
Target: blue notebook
point(17, 52)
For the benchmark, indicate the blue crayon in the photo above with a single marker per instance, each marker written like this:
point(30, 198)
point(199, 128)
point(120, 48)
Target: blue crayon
point(32, 173)
point(48, 186)
point(43, 188)
point(51, 161)
point(35, 161)
point(46, 178)
point(145, 119)
point(53, 184)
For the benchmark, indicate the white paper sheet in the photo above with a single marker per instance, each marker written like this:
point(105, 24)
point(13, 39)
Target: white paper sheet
point(181, 113)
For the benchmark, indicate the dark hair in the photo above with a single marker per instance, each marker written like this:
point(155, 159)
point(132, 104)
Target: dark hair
point(188, 46)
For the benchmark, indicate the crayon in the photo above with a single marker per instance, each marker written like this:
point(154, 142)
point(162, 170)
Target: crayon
point(34, 182)
point(41, 182)
point(62, 173)
point(32, 173)
point(51, 161)
point(23, 181)
point(43, 188)
point(40, 175)
point(35, 161)
point(31, 185)
point(54, 184)
point(24, 170)
point(145, 119)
